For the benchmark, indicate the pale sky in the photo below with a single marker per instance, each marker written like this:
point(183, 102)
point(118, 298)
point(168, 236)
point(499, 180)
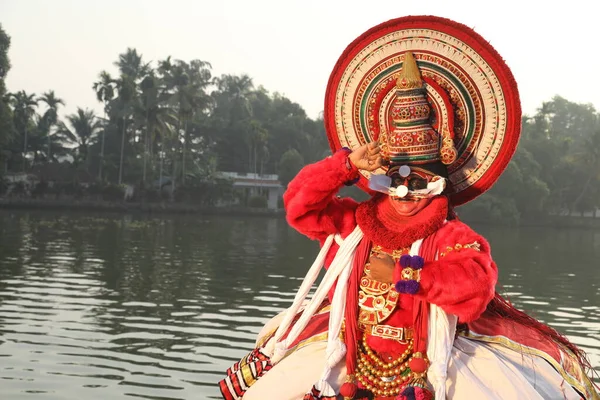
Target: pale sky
point(287, 46)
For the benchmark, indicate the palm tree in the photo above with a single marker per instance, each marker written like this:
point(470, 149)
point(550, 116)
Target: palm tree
point(46, 147)
point(23, 110)
point(158, 117)
point(237, 89)
point(256, 139)
point(186, 85)
point(132, 70)
point(83, 131)
point(232, 114)
point(131, 64)
point(192, 99)
point(50, 117)
point(51, 114)
point(126, 99)
point(105, 92)
point(149, 89)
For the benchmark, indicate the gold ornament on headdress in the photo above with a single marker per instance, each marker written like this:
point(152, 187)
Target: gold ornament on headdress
point(410, 76)
point(411, 138)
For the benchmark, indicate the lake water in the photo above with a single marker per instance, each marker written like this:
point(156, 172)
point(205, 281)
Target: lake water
point(113, 306)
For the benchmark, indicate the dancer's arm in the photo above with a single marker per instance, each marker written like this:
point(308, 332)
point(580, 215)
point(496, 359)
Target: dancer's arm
point(310, 200)
point(462, 281)
point(311, 204)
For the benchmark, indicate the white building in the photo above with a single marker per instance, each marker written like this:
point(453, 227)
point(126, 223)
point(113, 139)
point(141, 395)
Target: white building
point(255, 185)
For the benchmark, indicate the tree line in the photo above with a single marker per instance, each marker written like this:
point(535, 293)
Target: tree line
point(166, 120)
point(175, 121)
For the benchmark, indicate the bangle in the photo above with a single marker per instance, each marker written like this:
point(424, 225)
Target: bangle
point(350, 167)
point(348, 164)
point(410, 274)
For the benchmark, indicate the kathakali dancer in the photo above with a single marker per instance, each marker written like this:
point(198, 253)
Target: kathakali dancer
point(423, 114)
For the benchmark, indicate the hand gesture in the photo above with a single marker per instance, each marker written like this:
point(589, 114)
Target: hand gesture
point(367, 157)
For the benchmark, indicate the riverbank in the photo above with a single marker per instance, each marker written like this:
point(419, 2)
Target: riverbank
point(134, 207)
point(183, 208)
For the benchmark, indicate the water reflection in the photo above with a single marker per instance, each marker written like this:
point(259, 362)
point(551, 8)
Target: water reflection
point(112, 306)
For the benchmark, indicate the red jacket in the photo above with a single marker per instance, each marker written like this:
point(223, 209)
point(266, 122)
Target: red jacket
point(461, 281)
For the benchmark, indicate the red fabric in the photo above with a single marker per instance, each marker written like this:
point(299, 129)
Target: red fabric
point(348, 390)
point(415, 393)
point(319, 323)
point(483, 48)
point(380, 222)
point(502, 319)
point(311, 205)
point(315, 394)
point(462, 282)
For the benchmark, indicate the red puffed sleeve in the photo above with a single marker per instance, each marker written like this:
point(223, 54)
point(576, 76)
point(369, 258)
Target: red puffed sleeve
point(462, 281)
point(310, 201)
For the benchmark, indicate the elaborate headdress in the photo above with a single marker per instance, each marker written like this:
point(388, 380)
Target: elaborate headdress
point(434, 94)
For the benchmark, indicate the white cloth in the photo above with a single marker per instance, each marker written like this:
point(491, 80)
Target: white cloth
point(460, 368)
point(479, 370)
point(293, 376)
point(441, 331)
point(476, 370)
point(339, 271)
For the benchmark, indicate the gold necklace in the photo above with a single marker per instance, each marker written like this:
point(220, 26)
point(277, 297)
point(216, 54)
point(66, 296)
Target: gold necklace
point(380, 377)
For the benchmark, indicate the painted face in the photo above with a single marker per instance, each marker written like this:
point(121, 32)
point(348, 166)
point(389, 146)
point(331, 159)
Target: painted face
point(417, 180)
point(408, 207)
point(414, 181)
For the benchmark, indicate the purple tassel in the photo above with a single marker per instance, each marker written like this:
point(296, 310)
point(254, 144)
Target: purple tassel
point(417, 262)
point(415, 393)
point(409, 393)
point(408, 287)
point(405, 260)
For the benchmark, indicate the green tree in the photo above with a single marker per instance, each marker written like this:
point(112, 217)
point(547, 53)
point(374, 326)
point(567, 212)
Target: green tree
point(50, 117)
point(289, 165)
point(24, 106)
point(588, 159)
point(6, 118)
point(564, 147)
point(132, 65)
point(123, 109)
point(133, 70)
point(82, 132)
point(105, 92)
point(186, 84)
point(256, 140)
point(555, 169)
point(44, 143)
point(231, 118)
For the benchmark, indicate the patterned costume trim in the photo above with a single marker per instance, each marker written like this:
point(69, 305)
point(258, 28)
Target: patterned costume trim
point(243, 374)
point(458, 247)
point(263, 340)
point(474, 100)
point(316, 394)
point(568, 368)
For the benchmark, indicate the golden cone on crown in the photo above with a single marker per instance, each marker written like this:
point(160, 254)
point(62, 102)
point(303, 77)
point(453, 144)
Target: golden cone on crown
point(411, 138)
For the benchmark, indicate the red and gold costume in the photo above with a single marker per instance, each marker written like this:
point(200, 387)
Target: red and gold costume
point(437, 97)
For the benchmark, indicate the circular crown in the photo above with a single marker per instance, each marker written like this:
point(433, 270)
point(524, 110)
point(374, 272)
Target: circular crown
point(469, 117)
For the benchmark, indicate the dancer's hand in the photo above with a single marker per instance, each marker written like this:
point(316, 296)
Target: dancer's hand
point(367, 157)
point(382, 268)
